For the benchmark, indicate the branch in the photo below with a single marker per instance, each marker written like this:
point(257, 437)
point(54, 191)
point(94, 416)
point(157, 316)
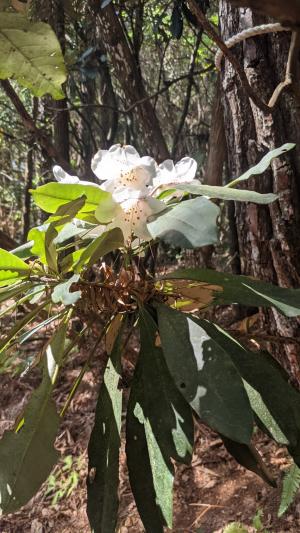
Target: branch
point(29, 124)
point(209, 29)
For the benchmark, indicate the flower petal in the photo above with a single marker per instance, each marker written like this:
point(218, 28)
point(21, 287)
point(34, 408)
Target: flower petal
point(62, 176)
point(134, 216)
point(108, 164)
point(168, 173)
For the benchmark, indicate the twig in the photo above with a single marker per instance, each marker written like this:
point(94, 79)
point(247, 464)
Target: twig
point(265, 338)
point(30, 126)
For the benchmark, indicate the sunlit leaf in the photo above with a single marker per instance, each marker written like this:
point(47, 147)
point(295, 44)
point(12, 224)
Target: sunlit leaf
point(51, 196)
point(61, 293)
point(263, 164)
point(244, 290)
point(224, 193)
point(31, 54)
point(12, 268)
point(190, 224)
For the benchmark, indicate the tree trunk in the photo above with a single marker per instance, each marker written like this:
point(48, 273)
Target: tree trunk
point(268, 236)
point(128, 74)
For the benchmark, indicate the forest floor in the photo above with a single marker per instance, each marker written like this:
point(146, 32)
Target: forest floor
point(209, 494)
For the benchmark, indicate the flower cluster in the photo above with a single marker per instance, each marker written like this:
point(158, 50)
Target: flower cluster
point(134, 183)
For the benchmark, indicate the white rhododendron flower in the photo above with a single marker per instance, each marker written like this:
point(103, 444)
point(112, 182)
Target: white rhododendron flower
point(169, 174)
point(63, 177)
point(133, 182)
point(122, 167)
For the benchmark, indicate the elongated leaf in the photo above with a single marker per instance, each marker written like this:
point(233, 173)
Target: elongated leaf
point(10, 292)
point(268, 378)
point(44, 236)
point(224, 193)
point(159, 427)
point(247, 456)
point(263, 164)
point(190, 224)
point(264, 417)
point(205, 375)
point(51, 196)
point(23, 251)
point(27, 454)
point(12, 268)
point(291, 485)
point(31, 54)
point(61, 292)
point(105, 243)
point(103, 450)
point(20, 325)
point(244, 290)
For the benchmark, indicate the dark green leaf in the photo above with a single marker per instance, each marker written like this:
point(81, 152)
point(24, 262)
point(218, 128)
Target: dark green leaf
point(27, 454)
point(103, 450)
point(190, 224)
point(268, 378)
point(247, 456)
point(244, 290)
point(159, 427)
point(205, 375)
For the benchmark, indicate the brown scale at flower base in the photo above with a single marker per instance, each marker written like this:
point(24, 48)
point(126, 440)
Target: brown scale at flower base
point(115, 292)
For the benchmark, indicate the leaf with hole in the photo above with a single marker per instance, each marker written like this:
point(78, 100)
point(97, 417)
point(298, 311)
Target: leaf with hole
point(205, 375)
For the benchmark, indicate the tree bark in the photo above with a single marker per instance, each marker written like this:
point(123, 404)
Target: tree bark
point(128, 74)
point(268, 236)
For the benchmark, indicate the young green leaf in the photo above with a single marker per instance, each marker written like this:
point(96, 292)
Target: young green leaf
point(159, 427)
point(51, 196)
point(12, 268)
point(31, 54)
point(205, 375)
point(244, 290)
point(27, 454)
point(190, 224)
point(103, 449)
point(102, 245)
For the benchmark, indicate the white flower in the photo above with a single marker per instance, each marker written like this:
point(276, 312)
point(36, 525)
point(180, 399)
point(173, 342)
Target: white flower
point(169, 174)
point(63, 177)
point(134, 215)
point(121, 167)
